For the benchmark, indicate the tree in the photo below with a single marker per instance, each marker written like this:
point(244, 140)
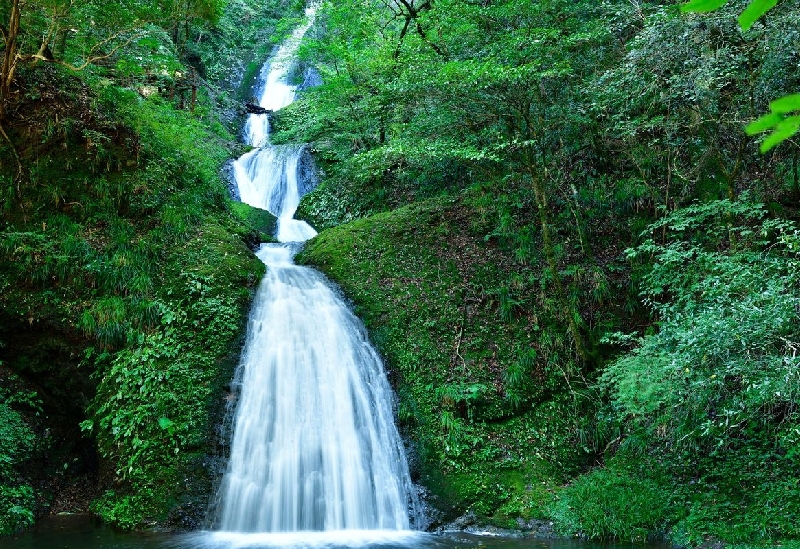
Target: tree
point(77, 34)
point(784, 118)
point(98, 31)
point(452, 88)
point(183, 13)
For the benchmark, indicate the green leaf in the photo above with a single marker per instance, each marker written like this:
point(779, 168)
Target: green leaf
point(785, 104)
point(703, 5)
point(164, 422)
point(756, 9)
point(766, 122)
point(784, 131)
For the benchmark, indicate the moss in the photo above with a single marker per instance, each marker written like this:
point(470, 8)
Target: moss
point(262, 223)
point(431, 292)
point(125, 273)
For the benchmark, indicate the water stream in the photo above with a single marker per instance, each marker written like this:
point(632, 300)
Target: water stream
point(315, 448)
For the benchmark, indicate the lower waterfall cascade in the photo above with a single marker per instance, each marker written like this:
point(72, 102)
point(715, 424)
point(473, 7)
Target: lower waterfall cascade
point(315, 449)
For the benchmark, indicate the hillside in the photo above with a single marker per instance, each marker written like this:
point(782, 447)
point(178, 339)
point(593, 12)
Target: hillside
point(126, 274)
point(579, 267)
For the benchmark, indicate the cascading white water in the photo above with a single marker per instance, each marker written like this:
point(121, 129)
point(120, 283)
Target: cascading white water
point(315, 447)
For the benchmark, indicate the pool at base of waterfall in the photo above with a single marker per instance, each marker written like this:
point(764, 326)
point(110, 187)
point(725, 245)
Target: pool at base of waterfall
point(86, 532)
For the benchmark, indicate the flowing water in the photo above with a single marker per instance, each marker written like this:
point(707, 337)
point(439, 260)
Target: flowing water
point(83, 532)
point(315, 454)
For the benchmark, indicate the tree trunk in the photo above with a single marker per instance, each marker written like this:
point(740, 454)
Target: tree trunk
point(194, 88)
point(10, 34)
point(550, 256)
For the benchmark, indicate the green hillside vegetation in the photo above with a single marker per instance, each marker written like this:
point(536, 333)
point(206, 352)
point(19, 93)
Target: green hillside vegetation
point(579, 267)
point(126, 275)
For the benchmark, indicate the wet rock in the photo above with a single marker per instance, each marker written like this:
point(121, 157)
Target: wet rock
point(253, 108)
point(712, 544)
point(311, 79)
point(461, 523)
point(307, 173)
point(535, 528)
point(227, 176)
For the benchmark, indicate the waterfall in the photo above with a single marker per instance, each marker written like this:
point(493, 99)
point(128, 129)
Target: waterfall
point(315, 449)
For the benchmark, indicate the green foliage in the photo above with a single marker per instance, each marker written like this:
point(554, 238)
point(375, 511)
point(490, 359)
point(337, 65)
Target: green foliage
point(755, 9)
point(17, 443)
point(131, 510)
point(152, 397)
point(612, 503)
point(261, 222)
point(781, 121)
point(548, 135)
point(782, 125)
point(479, 413)
point(705, 390)
point(118, 233)
point(714, 392)
point(16, 503)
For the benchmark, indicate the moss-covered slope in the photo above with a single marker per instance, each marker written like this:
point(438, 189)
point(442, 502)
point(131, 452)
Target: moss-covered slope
point(474, 348)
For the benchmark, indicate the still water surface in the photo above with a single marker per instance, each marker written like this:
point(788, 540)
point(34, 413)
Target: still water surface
point(81, 532)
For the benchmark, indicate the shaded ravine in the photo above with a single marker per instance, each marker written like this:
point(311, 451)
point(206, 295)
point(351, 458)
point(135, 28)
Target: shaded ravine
point(315, 448)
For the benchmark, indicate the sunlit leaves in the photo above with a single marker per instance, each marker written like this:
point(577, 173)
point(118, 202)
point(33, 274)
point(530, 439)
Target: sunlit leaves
point(782, 130)
point(780, 121)
point(782, 127)
point(754, 11)
point(703, 5)
point(786, 104)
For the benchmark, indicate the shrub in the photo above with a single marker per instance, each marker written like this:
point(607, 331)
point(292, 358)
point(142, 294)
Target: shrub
point(611, 503)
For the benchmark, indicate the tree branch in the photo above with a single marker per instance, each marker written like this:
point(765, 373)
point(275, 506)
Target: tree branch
point(90, 59)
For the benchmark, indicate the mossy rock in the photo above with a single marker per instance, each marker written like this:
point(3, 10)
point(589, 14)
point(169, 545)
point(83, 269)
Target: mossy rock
point(260, 222)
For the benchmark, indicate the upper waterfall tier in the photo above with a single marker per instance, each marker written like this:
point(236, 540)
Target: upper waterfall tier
point(270, 177)
point(275, 90)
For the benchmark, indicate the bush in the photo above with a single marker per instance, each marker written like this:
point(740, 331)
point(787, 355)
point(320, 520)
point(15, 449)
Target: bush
point(611, 503)
point(714, 394)
point(16, 443)
point(16, 504)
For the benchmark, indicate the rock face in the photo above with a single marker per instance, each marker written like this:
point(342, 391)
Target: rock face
point(253, 108)
point(311, 79)
point(469, 524)
point(230, 183)
point(307, 173)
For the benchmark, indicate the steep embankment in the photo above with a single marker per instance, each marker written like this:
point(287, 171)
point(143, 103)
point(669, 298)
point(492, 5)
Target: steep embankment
point(126, 280)
point(578, 265)
point(691, 435)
